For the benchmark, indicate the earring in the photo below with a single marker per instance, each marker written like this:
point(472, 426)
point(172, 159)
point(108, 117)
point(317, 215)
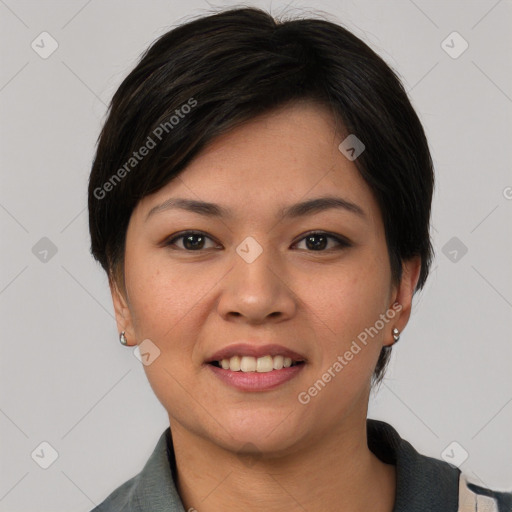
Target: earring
point(122, 339)
point(396, 334)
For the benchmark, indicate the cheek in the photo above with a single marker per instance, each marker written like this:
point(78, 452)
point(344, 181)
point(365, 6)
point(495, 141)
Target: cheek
point(166, 308)
point(347, 346)
point(161, 295)
point(346, 306)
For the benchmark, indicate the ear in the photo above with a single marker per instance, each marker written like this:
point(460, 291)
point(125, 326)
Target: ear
point(403, 295)
point(123, 315)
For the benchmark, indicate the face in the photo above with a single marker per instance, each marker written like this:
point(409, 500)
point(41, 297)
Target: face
point(254, 277)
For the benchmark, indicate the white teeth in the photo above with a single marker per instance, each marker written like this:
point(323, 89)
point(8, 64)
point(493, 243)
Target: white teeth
point(264, 364)
point(252, 364)
point(248, 364)
point(278, 362)
point(233, 363)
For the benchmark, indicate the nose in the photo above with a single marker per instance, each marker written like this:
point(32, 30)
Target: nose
point(257, 292)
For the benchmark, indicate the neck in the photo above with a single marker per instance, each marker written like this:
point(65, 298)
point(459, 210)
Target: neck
point(333, 473)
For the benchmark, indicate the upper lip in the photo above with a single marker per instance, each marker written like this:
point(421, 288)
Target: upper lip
point(246, 349)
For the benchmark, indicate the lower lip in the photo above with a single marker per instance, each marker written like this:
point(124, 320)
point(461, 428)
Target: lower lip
point(256, 381)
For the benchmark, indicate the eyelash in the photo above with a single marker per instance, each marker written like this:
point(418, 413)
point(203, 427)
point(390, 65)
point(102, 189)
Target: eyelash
point(342, 243)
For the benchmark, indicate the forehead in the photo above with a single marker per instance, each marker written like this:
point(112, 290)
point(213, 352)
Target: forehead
point(283, 157)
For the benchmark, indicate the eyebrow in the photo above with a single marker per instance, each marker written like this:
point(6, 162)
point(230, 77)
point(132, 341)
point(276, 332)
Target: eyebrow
point(294, 211)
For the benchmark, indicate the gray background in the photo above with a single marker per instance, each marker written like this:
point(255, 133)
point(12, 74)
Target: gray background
point(66, 380)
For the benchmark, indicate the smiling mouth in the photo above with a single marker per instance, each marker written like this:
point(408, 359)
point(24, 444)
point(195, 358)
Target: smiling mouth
point(263, 364)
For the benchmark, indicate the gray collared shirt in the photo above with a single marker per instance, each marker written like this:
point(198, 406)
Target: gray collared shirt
point(423, 483)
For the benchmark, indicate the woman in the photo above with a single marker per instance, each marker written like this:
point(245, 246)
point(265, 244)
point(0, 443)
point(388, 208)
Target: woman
point(260, 200)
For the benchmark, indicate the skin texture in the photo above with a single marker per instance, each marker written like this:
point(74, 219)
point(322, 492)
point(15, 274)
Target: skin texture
point(239, 450)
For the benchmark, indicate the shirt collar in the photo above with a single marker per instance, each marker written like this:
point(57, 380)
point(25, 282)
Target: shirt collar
point(423, 483)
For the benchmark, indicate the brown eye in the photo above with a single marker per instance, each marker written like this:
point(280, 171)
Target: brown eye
point(192, 241)
point(195, 241)
point(318, 241)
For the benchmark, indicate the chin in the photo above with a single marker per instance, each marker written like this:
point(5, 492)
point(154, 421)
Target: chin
point(260, 432)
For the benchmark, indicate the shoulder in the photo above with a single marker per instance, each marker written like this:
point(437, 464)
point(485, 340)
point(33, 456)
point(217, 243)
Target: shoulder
point(153, 489)
point(427, 483)
point(474, 498)
point(120, 499)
